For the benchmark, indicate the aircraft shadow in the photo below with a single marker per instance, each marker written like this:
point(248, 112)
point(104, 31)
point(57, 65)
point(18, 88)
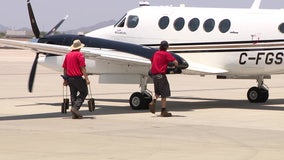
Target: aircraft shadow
point(271, 104)
point(174, 104)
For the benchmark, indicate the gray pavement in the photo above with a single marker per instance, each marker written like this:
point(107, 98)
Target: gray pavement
point(212, 119)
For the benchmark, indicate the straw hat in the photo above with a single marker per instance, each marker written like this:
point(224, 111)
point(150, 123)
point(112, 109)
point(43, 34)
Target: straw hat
point(77, 45)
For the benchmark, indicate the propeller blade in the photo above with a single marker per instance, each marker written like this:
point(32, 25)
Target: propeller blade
point(54, 29)
point(33, 72)
point(33, 20)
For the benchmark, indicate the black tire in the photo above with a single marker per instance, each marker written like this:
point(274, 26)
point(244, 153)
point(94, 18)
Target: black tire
point(264, 95)
point(148, 99)
point(257, 95)
point(253, 94)
point(137, 101)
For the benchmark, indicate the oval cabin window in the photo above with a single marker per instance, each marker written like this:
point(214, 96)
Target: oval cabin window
point(281, 27)
point(164, 22)
point(179, 24)
point(193, 24)
point(209, 25)
point(225, 25)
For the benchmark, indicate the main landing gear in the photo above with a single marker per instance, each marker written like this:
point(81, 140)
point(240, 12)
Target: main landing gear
point(258, 94)
point(141, 100)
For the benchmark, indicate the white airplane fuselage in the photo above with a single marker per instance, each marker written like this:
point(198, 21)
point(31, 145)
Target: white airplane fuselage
point(229, 43)
point(244, 43)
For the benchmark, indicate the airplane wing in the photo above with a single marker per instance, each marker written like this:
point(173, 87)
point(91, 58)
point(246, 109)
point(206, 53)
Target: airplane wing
point(89, 52)
point(201, 69)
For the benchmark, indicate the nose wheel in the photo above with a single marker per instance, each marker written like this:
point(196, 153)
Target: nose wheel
point(140, 100)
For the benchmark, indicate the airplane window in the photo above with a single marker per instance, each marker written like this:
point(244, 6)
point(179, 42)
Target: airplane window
point(164, 22)
point(121, 22)
point(132, 21)
point(193, 24)
point(225, 25)
point(179, 24)
point(281, 27)
point(209, 25)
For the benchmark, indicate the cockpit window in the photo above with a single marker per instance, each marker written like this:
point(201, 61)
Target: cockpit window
point(164, 22)
point(132, 21)
point(121, 22)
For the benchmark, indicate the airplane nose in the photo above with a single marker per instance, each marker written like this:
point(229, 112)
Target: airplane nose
point(182, 63)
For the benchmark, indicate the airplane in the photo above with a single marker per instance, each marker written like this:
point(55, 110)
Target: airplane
point(231, 43)
point(114, 61)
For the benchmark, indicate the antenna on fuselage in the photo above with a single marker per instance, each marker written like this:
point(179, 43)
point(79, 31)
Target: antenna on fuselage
point(256, 4)
point(144, 3)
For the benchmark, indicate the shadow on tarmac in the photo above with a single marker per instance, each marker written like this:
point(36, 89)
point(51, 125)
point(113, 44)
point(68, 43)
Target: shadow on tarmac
point(174, 104)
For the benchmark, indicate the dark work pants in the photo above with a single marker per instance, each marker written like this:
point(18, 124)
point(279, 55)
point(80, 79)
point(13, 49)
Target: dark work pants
point(77, 85)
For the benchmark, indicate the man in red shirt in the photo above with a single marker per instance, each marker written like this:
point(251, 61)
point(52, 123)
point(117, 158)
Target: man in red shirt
point(74, 68)
point(160, 61)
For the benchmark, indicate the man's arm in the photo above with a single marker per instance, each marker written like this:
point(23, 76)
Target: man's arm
point(175, 62)
point(83, 69)
point(65, 83)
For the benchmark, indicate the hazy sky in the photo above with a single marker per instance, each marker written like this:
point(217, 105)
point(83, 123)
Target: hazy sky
point(13, 13)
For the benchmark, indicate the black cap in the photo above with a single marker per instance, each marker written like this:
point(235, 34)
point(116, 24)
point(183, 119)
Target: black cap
point(164, 45)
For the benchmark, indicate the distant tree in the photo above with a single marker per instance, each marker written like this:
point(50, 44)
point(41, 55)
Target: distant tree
point(2, 34)
point(42, 34)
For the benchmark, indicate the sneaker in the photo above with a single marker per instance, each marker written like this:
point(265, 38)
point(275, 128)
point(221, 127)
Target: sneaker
point(165, 113)
point(75, 113)
point(152, 106)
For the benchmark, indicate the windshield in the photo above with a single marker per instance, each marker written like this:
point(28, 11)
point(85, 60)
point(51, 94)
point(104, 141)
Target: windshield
point(121, 22)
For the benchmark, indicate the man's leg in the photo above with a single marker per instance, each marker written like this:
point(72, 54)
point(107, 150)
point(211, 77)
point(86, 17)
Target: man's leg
point(83, 92)
point(164, 112)
point(152, 105)
point(163, 103)
point(73, 95)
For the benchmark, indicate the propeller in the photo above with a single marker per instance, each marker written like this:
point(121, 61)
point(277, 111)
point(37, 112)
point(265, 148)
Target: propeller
point(33, 72)
point(37, 35)
point(54, 29)
point(33, 20)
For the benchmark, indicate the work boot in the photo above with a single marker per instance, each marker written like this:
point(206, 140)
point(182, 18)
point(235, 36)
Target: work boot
point(74, 116)
point(75, 113)
point(152, 106)
point(165, 113)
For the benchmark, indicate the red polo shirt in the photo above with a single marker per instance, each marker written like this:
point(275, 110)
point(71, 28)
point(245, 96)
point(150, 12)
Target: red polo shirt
point(73, 62)
point(160, 62)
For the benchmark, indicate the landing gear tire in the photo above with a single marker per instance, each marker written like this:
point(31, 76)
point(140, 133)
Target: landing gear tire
point(257, 95)
point(140, 101)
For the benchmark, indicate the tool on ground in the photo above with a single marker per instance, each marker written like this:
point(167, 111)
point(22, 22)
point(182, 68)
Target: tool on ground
point(91, 101)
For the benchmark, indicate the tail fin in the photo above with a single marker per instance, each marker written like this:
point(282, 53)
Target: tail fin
point(256, 4)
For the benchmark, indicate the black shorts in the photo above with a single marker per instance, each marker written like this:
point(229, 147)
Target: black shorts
point(161, 85)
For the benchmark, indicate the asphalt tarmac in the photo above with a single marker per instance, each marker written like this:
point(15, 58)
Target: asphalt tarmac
point(212, 119)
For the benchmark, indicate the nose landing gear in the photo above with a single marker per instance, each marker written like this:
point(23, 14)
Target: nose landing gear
point(141, 100)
